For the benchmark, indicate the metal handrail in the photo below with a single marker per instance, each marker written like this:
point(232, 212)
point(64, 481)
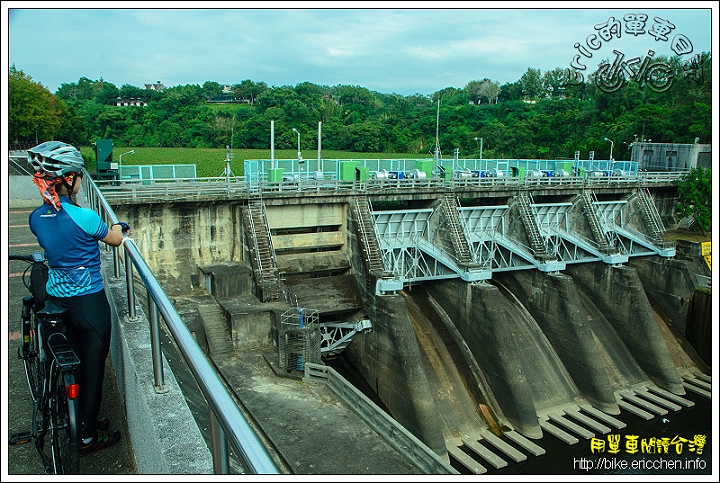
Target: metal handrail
point(233, 425)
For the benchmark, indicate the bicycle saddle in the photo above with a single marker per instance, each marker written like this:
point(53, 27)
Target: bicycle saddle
point(51, 309)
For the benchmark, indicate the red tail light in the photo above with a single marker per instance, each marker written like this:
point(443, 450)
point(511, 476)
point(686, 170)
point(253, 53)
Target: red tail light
point(72, 391)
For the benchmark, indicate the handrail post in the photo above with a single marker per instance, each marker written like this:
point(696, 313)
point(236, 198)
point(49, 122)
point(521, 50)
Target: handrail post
point(219, 446)
point(116, 261)
point(156, 349)
point(130, 286)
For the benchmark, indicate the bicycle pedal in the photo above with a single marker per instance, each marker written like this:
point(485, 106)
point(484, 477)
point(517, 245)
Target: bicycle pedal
point(20, 438)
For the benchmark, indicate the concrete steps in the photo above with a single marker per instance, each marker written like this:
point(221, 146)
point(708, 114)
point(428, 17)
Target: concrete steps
point(216, 329)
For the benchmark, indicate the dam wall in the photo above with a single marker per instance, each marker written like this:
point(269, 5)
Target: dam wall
point(485, 325)
point(670, 284)
point(389, 360)
point(176, 238)
point(619, 294)
point(558, 309)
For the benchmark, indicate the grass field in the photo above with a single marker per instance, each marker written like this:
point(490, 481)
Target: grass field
point(210, 162)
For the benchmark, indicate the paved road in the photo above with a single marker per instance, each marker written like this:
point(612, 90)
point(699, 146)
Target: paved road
point(23, 459)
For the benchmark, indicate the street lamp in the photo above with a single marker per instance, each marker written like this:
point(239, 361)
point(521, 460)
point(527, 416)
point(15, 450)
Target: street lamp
point(612, 145)
point(120, 162)
point(299, 153)
point(480, 146)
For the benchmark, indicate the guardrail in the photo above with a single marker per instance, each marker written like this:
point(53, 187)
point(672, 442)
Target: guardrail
point(188, 189)
point(226, 421)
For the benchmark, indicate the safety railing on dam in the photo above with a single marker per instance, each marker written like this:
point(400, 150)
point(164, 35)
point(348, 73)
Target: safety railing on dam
point(227, 423)
point(189, 189)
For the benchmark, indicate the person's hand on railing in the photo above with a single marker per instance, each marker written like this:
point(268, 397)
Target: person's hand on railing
point(125, 227)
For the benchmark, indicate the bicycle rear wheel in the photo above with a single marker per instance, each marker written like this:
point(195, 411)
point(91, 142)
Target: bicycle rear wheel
point(65, 423)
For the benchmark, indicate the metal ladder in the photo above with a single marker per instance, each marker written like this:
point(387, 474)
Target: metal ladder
point(601, 237)
point(363, 218)
point(460, 244)
point(524, 200)
point(652, 217)
point(267, 272)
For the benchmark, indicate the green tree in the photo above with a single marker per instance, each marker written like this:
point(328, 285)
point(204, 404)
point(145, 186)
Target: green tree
point(485, 89)
point(72, 128)
point(554, 82)
point(127, 91)
point(695, 197)
point(511, 91)
point(532, 84)
point(211, 89)
point(565, 115)
point(34, 114)
point(75, 92)
point(249, 90)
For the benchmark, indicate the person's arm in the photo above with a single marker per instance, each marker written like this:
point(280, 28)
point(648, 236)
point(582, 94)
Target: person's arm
point(115, 235)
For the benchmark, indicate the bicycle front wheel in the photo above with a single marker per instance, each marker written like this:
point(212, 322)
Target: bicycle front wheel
point(29, 352)
point(65, 423)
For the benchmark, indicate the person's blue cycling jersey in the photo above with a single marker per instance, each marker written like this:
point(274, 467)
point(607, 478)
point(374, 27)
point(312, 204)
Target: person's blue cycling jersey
point(70, 240)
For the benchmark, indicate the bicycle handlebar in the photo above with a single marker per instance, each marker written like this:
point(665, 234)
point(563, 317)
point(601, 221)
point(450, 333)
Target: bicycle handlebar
point(36, 257)
point(25, 258)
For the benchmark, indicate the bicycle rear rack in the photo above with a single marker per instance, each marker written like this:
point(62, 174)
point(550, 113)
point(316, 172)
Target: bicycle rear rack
point(61, 351)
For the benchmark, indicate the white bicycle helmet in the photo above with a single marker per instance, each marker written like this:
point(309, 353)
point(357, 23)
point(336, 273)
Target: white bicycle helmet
point(56, 159)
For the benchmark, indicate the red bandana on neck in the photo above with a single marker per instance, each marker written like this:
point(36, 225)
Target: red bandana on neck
point(47, 189)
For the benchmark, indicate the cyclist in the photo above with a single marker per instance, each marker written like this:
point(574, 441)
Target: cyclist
point(69, 235)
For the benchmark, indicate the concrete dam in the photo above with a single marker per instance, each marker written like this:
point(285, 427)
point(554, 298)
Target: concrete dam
point(476, 315)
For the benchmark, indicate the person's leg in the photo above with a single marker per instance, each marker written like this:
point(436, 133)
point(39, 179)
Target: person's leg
point(88, 331)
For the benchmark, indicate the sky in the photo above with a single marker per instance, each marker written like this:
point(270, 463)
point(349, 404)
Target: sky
point(389, 47)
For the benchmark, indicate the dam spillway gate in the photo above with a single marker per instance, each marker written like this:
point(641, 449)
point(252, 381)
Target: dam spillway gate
point(442, 290)
point(449, 240)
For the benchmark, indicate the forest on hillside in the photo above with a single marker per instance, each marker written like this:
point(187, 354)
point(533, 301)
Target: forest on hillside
point(540, 116)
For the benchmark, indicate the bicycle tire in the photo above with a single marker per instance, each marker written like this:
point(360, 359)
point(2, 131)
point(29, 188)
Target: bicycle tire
point(29, 352)
point(65, 424)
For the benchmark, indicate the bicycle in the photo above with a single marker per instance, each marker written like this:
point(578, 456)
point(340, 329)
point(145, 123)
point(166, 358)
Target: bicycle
point(52, 372)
